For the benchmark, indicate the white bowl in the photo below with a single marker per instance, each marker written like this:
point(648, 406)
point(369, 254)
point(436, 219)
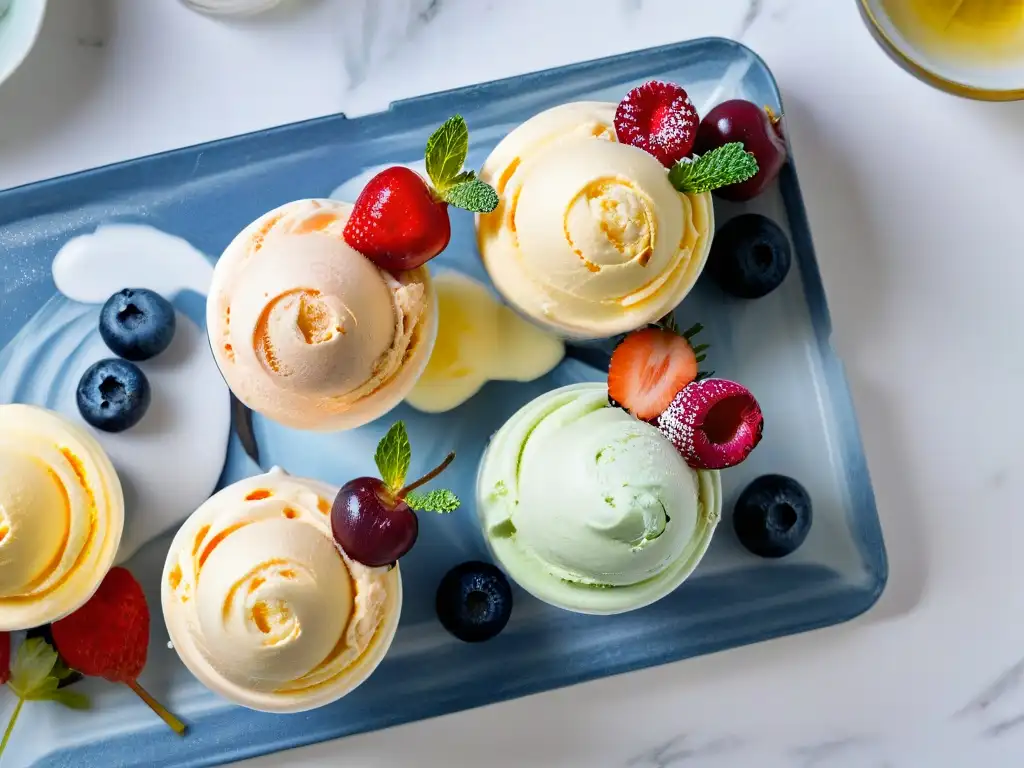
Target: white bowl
point(19, 28)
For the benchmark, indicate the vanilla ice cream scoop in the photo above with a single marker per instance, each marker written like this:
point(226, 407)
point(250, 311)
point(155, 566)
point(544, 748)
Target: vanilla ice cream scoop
point(61, 516)
point(264, 608)
point(308, 331)
point(590, 238)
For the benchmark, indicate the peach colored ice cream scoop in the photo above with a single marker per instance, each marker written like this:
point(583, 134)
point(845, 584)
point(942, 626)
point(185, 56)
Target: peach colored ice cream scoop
point(308, 331)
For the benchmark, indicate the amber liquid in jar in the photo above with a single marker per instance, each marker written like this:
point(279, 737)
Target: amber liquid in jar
point(967, 31)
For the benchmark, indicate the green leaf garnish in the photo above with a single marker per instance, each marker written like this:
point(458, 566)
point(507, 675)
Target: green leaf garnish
point(394, 453)
point(729, 164)
point(441, 501)
point(35, 675)
point(446, 153)
point(447, 149)
point(473, 195)
point(692, 331)
point(670, 324)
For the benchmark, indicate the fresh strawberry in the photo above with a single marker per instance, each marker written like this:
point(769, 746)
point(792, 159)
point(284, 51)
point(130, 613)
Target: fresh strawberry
point(647, 370)
point(108, 637)
point(713, 423)
point(399, 221)
point(659, 118)
point(5, 657)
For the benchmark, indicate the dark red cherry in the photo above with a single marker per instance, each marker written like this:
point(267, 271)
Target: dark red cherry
point(370, 524)
point(761, 134)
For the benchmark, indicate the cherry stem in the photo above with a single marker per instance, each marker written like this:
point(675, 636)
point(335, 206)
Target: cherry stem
point(176, 725)
point(427, 477)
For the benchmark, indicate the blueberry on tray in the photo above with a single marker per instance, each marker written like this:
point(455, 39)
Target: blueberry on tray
point(772, 516)
point(474, 601)
point(750, 256)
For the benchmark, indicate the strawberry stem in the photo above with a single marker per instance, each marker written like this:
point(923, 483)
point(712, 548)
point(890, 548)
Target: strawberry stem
point(427, 477)
point(10, 724)
point(176, 725)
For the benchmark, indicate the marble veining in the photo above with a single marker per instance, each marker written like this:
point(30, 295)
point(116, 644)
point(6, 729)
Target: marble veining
point(684, 750)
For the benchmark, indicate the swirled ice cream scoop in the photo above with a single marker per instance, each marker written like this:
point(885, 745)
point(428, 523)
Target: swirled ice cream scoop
point(61, 516)
point(264, 608)
point(590, 238)
point(308, 331)
point(591, 509)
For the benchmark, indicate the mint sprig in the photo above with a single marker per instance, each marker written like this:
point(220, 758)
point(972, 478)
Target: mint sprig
point(728, 164)
point(447, 149)
point(473, 195)
point(446, 153)
point(35, 676)
point(393, 456)
point(441, 501)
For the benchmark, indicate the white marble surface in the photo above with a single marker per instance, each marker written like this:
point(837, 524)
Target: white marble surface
point(914, 201)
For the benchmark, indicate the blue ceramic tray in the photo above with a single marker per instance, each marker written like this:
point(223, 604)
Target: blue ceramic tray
point(779, 346)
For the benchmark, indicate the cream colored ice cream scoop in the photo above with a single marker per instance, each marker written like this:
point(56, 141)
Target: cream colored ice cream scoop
point(308, 331)
point(590, 238)
point(61, 516)
point(478, 339)
point(264, 608)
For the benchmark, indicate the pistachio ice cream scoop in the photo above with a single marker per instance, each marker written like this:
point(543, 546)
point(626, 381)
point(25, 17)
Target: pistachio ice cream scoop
point(591, 509)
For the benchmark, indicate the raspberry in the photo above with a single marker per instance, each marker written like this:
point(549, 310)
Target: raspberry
point(660, 119)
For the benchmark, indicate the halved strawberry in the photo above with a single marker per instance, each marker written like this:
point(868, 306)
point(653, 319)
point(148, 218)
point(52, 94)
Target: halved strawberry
point(660, 119)
point(647, 370)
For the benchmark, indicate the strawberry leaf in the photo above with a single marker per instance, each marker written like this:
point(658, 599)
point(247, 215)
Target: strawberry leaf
point(393, 456)
point(71, 699)
point(669, 323)
point(441, 501)
point(35, 676)
point(446, 152)
point(473, 195)
point(32, 667)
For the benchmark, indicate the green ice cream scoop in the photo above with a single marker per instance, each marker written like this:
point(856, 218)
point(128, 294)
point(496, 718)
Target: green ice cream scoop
point(588, 508)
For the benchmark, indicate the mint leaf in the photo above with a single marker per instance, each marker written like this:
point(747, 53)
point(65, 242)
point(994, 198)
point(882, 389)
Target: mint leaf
point(473, 195)
point(729, 164)
point(441, 501)
point(463, 177)
point(393, 456)
point(446, 152)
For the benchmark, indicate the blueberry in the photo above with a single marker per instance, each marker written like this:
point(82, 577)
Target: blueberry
point(137, 324)
point(474, 601)
point(113, 395)
point(772, 516)
point(750, 256)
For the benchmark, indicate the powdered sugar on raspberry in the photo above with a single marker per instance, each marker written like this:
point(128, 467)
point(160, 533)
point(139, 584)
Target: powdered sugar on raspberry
point(685, 422)
point(659, 118)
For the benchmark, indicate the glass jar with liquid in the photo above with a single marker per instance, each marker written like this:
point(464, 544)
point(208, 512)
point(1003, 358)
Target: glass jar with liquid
point(973, 47)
